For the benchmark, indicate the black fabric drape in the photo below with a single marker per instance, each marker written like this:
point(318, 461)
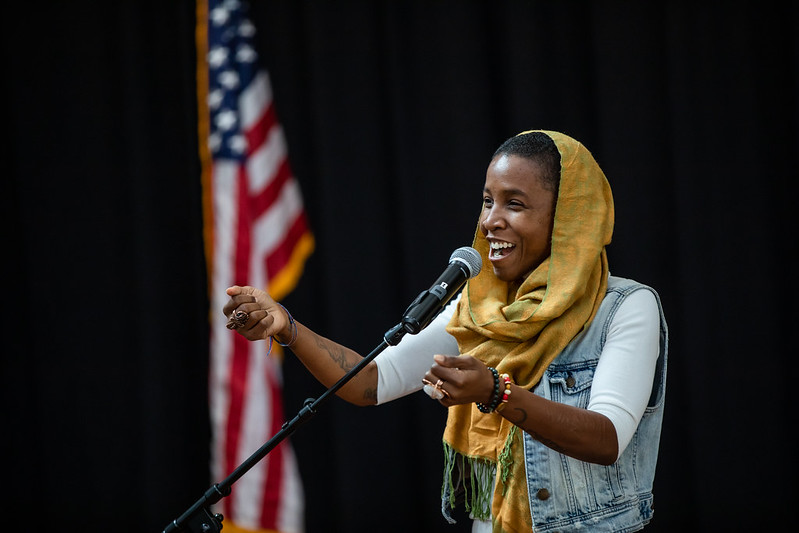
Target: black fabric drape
point(391, 111)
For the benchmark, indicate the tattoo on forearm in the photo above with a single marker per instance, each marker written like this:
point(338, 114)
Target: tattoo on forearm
point(546, 442)
point(336, 353)
point(522, 418)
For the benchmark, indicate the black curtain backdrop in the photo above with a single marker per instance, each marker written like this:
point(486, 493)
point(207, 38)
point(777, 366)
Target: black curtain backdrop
point(391, 111)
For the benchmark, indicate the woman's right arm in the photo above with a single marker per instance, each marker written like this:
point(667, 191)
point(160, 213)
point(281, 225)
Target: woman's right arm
point(328, 361)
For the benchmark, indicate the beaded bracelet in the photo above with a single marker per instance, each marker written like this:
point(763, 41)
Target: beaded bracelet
point(505, 394)
point(494, 396)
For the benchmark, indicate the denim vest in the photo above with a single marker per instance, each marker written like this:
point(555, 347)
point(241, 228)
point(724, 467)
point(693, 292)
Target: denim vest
point(566, 494)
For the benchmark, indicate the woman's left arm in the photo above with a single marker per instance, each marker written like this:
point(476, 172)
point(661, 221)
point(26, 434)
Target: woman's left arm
point(578, 433)
point(621, 388)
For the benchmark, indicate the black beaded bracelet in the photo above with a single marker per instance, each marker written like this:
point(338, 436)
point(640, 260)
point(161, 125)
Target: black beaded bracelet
point(494, 397)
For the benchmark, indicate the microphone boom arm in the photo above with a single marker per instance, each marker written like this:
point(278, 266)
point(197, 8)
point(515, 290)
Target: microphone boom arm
point(464, 263)
point(199, 519)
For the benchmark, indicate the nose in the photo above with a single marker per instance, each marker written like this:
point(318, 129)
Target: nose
point(492, 219)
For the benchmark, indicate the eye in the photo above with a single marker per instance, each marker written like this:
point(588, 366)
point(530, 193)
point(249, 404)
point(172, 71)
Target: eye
point(488, 201)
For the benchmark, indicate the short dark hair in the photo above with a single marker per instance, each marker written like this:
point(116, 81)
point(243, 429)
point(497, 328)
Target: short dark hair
point(539, 147)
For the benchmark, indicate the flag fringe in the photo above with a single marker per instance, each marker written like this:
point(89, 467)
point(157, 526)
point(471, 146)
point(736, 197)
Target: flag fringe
point(203, 131)
point(286, 279)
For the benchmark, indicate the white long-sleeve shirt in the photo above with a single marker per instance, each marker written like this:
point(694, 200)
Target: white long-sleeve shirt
point(622, 381)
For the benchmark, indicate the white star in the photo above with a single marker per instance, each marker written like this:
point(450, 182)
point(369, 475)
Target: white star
point(238, 143)
point(225, 119)
point(246, 29)
point(246, 54)
point(217, 56)
point(219, 15)
point(229, 79)
point(215, 98)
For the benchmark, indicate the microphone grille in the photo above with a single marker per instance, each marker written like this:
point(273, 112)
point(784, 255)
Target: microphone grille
point(470, 257)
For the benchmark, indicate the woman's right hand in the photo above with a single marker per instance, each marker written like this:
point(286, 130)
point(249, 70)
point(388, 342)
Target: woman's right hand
point(327, 360)
point(265, 317)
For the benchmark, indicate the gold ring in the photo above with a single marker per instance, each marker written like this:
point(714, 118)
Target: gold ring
point(439, 387)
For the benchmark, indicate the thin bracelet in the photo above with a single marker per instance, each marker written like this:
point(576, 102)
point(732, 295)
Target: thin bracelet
point(269, 349)
point(293, 333)
point(293, 329)
point(494, 396)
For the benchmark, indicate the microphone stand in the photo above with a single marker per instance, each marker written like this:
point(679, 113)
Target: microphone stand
point(198, 517)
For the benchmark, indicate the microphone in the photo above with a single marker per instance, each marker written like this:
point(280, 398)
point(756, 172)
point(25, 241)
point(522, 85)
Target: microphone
point(464, 263)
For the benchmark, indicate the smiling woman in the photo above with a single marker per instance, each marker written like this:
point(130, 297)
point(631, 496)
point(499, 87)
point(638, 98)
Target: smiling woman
point(547, 342)
point(518, 209)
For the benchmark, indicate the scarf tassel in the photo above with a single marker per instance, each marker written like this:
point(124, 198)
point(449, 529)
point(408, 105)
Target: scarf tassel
point(482, 473)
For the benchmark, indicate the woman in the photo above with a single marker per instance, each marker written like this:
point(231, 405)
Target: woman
point(553, 370)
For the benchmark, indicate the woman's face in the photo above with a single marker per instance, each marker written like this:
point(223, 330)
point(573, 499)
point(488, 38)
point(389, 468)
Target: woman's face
point(518, 212)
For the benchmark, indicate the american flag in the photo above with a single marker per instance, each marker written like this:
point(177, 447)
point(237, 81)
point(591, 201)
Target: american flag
point(257, 234)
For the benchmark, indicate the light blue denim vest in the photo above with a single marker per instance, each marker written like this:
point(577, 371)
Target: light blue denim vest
point(570, 495)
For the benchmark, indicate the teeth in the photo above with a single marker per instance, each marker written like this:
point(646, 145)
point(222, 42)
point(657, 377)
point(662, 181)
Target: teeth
point(498, 249)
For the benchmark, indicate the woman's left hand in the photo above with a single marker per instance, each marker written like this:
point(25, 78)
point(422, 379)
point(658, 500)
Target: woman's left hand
point(463, 379)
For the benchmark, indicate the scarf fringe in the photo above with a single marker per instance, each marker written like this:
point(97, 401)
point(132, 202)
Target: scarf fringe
point(479, 488)
point(505, 460)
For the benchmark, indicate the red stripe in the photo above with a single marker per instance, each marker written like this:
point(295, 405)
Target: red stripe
point(280, 256)
point(243, 230)
point(239, 361)
point(270, 503)
point(256, 135)
point(266, 198)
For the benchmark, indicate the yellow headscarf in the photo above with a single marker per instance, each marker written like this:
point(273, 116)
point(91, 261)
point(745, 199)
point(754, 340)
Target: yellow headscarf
point(522, 336)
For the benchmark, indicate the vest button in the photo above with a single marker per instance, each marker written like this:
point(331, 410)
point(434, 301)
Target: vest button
point(542, 494)
point(570, 381)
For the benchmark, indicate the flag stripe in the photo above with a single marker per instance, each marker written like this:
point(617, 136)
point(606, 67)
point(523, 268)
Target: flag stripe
point(239, 365)
point(271, 497)
point(243, 232)
point(261, 128)
point(280, 258)
point(264, 158)
point(266, 199)
point(239, 360)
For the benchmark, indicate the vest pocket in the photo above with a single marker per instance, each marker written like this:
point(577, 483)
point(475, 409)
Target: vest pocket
point(591, 486)
point(571, 385)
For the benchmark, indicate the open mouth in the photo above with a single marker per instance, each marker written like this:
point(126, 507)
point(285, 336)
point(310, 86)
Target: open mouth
point(500, 250)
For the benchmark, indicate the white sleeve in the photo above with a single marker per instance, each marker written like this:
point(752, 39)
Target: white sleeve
point(626, 369)
point(400, 368)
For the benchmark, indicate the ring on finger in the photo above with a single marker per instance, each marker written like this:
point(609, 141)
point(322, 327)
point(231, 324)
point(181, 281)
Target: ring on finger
point(439, 387)
point(436, 394)
point(237, 319)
